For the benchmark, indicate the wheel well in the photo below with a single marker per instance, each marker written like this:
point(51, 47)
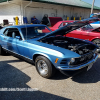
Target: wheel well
point(34, 57)
point(94, 39)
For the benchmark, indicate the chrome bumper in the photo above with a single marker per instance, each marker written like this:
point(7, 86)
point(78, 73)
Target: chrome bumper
point(78, 67)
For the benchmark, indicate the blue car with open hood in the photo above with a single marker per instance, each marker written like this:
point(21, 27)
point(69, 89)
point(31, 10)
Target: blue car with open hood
point(49, 51)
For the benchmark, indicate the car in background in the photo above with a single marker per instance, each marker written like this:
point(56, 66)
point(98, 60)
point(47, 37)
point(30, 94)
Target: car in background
point(95, 24)
point(86, 32)
point(49, 51)
point(60, 24)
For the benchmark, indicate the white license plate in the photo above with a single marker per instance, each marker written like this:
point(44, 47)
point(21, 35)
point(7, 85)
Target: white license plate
point(90, 66)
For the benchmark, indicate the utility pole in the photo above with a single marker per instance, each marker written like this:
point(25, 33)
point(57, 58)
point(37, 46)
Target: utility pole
point(92, 6)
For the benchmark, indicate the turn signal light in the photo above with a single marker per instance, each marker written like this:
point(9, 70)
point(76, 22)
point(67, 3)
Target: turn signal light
point(56, 60)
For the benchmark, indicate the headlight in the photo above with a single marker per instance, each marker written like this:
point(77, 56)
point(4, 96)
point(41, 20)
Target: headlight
point(98, 51)
point(72, 60)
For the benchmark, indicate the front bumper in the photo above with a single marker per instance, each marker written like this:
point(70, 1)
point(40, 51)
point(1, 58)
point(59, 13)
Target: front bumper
point(80, 66)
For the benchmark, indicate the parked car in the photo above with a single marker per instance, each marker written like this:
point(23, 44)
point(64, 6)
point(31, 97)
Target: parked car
point(86, 32)
point(60, 24)
point(95, 24)
point(49, 51)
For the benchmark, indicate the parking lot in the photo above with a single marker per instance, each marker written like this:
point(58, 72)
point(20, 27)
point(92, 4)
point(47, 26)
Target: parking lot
point(16, 73)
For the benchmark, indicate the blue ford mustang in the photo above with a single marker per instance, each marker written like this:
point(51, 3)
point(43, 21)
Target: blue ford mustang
point(49, 51)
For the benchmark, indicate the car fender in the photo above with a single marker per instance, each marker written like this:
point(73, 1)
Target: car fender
point(51, 59)
point(94, 38)
point(41, 54)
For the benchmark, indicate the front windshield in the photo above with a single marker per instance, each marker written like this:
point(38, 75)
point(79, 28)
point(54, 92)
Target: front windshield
point(34, 32)
point(87, 28)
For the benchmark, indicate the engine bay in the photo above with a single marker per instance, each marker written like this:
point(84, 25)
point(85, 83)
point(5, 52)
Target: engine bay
point(79, 46)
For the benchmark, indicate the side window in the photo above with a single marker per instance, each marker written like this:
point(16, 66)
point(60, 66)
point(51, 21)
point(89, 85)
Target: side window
point(63, 24)
point(5, 32)
point(12, 32)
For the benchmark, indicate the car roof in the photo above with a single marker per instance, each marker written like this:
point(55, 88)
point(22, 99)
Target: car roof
point(25, 25)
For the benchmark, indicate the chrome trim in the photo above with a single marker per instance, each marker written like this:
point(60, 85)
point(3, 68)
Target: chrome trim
point(78, 67)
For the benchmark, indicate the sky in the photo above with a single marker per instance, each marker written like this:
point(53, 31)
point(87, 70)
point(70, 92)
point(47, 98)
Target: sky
point(97, 2)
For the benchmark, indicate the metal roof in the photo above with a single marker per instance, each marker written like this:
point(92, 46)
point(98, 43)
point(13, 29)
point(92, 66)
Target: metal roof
point(75, 3)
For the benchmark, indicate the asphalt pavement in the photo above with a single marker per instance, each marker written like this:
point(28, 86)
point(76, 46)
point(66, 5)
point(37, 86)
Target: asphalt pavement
point(16, 73)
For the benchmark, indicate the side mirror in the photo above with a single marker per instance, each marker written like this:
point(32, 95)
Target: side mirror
point(18, 37)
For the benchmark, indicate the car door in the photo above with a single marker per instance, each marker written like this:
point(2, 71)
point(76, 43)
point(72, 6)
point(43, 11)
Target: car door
point(17, 42)
point(7, 39)
point(11, 43)
point(4, 39)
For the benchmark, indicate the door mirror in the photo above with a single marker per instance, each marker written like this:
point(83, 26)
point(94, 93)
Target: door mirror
point(18, 37)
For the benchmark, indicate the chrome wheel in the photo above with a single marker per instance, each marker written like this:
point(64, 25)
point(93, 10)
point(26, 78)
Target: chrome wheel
point(42, 67)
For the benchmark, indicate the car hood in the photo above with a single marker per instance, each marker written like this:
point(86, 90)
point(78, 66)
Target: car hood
point(70, 27)
point(53, 50)
point(95, 29)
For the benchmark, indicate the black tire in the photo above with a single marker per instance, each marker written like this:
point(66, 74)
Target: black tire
point(44, 67)
point(1, 51)
point(97, 42)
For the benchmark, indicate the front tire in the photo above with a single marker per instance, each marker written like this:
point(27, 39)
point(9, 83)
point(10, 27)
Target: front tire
point(97, 42)
point(44, 67)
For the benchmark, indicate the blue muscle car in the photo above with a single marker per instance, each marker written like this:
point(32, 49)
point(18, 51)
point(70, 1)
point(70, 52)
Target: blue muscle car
point(49, 51)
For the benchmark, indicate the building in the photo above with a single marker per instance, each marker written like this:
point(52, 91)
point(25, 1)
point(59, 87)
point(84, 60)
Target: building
point(54, 8)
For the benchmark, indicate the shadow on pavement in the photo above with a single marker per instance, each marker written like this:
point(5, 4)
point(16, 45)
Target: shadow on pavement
point(59, 76)
point(91, 76)
point(11, 77)
point(35, 95)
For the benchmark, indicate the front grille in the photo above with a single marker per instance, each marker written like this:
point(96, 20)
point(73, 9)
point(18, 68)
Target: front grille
point(82, 60)
point(64, 61)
